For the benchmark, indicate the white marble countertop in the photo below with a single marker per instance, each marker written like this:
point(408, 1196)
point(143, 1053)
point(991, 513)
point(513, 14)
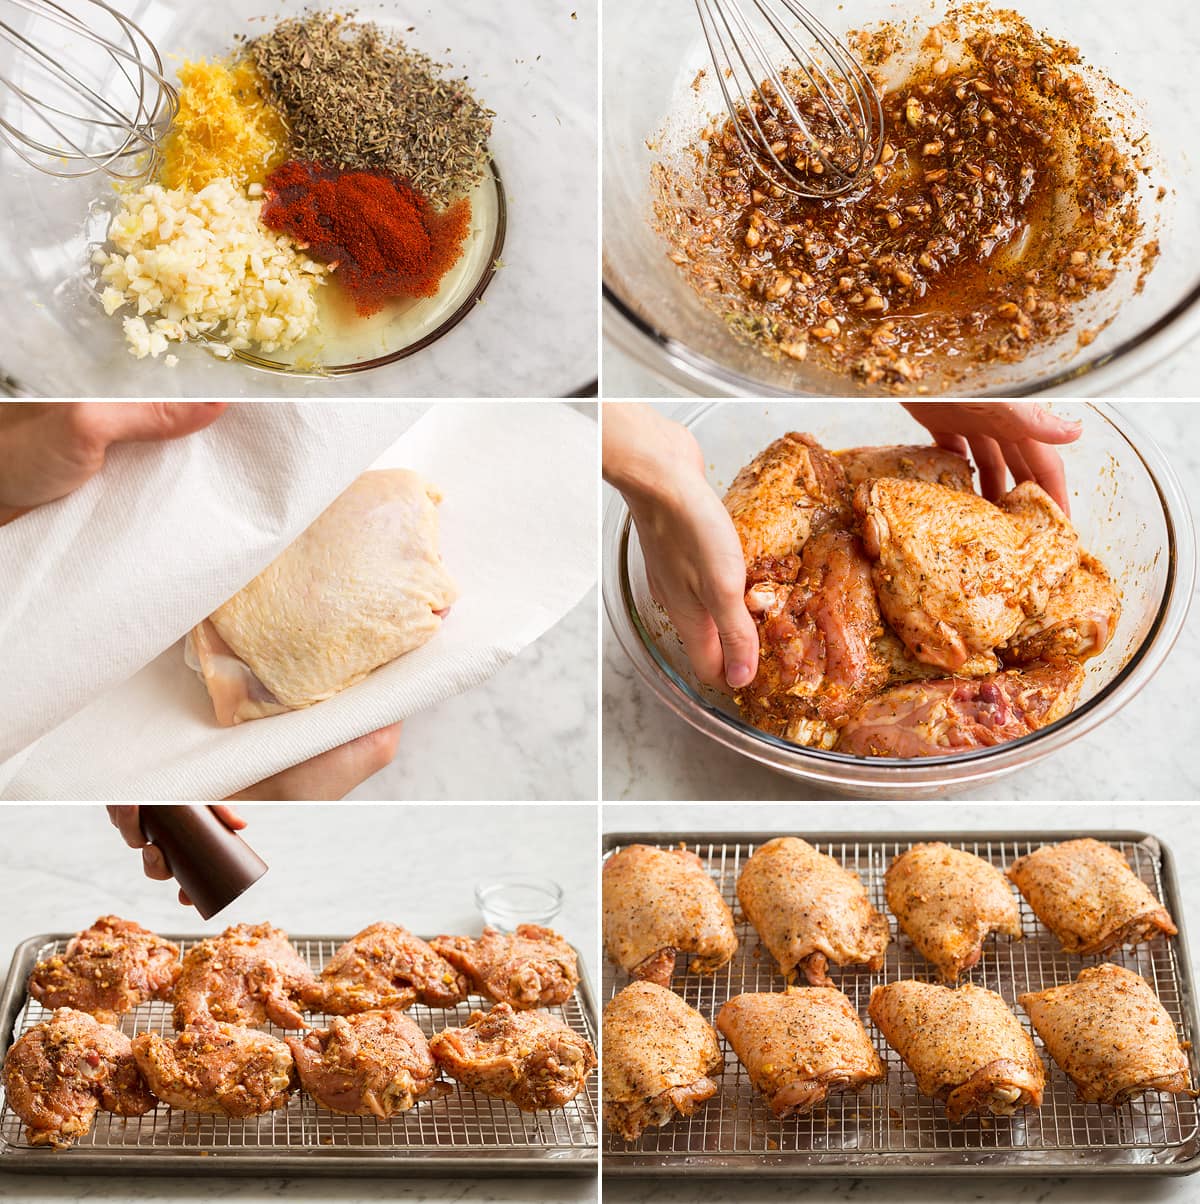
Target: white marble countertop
point(1174, 825)
point(61, 866)
point(648, 753)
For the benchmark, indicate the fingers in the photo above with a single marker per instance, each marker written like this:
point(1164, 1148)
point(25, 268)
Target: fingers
point(154, 864)
point(130, 421)
point(951, 443)
point(702, 644)
point(738, 638)
point(1044, 465)
point(127, 822)
point(993, 472)
point(228, 816)
point(1037, 423)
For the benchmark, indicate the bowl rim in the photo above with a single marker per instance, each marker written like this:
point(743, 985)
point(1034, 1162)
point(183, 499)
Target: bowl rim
point(955, 769)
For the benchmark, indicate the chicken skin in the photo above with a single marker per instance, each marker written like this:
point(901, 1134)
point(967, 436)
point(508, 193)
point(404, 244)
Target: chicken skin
point(659, 903)
point(531, 1059)
point(60, 1073)
point(957, 576)
point(938, 717)
point(532, 967)
point(1111, 1034)
point(385, 967)
point(107, 970)
point(948, 902)
point(1080, 618)
point(800, 1046)
point(922, 463)
point(809, 911)
point(220, 1069)
point(658, 1056)
point(371, 1064)
point(1087, 895)
point(249, 974)
point(963, 1044)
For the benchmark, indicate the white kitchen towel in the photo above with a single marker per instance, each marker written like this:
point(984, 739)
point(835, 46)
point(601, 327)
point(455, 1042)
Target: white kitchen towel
point(519, 537)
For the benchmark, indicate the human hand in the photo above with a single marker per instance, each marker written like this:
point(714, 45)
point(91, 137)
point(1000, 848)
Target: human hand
point(1017, 435)
point(49, 449)
point(693, 556)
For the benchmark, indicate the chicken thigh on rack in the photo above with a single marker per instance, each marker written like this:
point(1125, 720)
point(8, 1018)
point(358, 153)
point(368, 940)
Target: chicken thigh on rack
point(1087, 895)
point(249, 974)
point(948, 901)
point(800, 1046)
point(659, 903)
point(370, 1064)
point(659, 1055)
point(60, 1073)
point(532, 1059)
point(221, 1069)
point(384, 967)
point(963, 1044)
point(107, 970)
point(1111, 1034)
point(810, 911)
point(531, 967)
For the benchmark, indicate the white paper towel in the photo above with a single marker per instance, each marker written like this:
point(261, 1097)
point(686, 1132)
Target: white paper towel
point(518, 534)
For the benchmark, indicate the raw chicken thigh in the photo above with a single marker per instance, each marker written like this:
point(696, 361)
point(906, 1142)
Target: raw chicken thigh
point(922, 463)
point(362, 586)
point(1080, 618)
point(107, 969)
point(372, 1064)
point(532, 967)
point(60, 1073)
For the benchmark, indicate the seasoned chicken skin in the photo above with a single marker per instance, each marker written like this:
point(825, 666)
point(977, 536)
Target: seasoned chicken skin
point(1111, 1034)
point(107, 970)
point(809, 910)
point(920, 463)
point(963, 1044)
point(218, 1068)
point(659, 903)
point(532, 967)
point(800, 1046)
point(371, 1064)
point(60, 1073)
point(957, 576)
point(948, 902)
point(938, 717)
point(658, 1056)
point(249, 974)
point(385, 967)
point(362, 586)
point(1087, 895)
point(531, 1059)
point(1080, 618)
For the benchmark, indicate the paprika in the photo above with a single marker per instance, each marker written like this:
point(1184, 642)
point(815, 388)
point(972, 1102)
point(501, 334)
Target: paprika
point(383, 239)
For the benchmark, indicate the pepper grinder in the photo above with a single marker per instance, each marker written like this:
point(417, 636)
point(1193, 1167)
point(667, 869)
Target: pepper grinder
point(212, 864)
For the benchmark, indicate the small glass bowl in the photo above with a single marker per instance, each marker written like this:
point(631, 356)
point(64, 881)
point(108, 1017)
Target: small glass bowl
point(512, 899)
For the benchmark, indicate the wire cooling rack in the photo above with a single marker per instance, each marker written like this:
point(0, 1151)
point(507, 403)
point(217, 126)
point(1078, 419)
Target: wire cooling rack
point(462, 1133)
point(890, 1127)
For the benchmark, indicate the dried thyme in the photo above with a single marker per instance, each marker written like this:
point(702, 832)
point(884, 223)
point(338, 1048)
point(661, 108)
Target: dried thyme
point(354, 97)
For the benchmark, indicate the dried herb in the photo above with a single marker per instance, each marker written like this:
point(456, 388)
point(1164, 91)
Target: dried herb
point(355, 97)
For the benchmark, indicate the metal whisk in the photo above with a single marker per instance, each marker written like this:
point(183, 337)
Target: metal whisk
point(755, 50)
point(82, 88)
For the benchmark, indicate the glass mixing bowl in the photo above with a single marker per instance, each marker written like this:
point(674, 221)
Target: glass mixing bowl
point(651, 56)
point(535, 68)
point(1126, 503)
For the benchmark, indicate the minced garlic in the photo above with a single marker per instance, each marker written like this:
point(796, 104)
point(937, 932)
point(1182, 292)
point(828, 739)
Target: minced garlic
point(224, 128)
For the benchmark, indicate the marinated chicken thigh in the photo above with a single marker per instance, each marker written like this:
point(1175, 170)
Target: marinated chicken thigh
point(948, 902)
point(658, 1056)
point(1087, 895)
point(249, 974)
point(532, 967)
point(371, 1064)
point(659, 903)
point(963, 1044)
point(217, 1068)
point(937, 717)
point(60, 1073)
point(800, 1046)
point(921, 463)
point(362, 586)
point(107, 969)
point(809, 911)
point(957, 576)
point(531, 1059)
point(1111, 1034)
point(1080, 618)
point(385, 967)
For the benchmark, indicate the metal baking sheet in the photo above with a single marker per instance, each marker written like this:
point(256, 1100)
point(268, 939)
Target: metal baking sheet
point(890, 1129)
point(464, 1133)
